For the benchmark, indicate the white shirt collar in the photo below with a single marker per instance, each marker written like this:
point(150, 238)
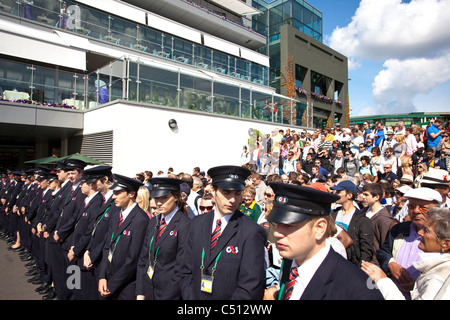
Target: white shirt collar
point(170, 215)
point(307, 271)
point(75, 185)
point(224, 221)
point(108, 195)
point(88, 199)
point(126, 212)
point(64, 183)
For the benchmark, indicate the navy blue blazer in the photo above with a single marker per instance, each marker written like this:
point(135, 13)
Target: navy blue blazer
point(335, 279)
point(126, 242)
point(68, 218)
point(86, 218)
point(22, 195)
point(42, 208)
point(34, 205)
point(165, 283)
point(98, 232)
point(53, 213)
point(15, 191)
point(240, 271)
point(29, 196)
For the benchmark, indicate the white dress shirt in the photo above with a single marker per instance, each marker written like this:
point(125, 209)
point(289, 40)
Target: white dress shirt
point(307, 271)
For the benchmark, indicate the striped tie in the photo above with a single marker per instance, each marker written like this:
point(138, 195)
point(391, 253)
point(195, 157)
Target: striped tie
point(161, 229)
point(120, 219)
point(216, 234)
point(291, 283)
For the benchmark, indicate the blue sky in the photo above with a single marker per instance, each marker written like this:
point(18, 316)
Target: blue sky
point(399, 52)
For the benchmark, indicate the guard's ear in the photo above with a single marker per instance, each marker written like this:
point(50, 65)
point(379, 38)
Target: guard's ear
point(320, 228)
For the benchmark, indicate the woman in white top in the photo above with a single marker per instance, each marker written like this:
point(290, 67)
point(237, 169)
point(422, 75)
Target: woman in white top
point(433, 282)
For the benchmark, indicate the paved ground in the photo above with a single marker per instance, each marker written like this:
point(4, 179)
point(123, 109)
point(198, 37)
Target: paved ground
point(13, 282)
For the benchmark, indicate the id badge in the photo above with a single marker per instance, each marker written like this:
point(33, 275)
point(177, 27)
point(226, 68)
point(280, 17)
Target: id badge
point(110, 255)
point(150, 272)
point(207, 283)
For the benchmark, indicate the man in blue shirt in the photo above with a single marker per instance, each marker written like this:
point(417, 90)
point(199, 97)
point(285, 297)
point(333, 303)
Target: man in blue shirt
point(434, 134)
point(366, 130)
point(379, 135)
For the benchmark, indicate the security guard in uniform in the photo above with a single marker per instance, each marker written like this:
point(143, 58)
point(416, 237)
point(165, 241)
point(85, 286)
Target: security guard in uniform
point(64, 227)
point(82, 234)
point(224, 255)
point(311, 269)
point(94, 251)
point(123, 242)
point(158, 275)
point(53, 248)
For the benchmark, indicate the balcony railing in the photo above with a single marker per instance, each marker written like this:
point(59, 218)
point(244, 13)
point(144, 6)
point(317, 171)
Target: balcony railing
point(86, 21)
point(143, 83)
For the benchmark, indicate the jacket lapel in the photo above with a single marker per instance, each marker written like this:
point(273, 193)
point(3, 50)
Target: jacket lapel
point(317, 287)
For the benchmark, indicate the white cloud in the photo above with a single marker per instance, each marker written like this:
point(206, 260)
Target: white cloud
point(367, 111)
point(413, 40)
point(402, 80)
point(387, 29)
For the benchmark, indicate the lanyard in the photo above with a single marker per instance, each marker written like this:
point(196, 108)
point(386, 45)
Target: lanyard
point(215, 264)
point(115, 245)
point(150, 252)
point(98, 222)
point(280, 292)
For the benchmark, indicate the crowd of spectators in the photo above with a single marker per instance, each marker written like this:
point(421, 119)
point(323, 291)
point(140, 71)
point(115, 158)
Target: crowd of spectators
point(390, 180)
point(374, 171)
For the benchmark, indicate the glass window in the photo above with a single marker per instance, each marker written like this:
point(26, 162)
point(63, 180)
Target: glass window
point(226, 99)
point(319, 83)
point(246, 103)
point(167, 46)
point(96, 22)
point(300, 117)
point(279, 110)
point(242, 69)
point(151, 39)
point(182, 51)
point(300, 74)
point(15, 77)
point(133, 83)
point(44, 86)
point(202, 57)
point(123, 32)
point(257, 73)
point(220, 62)
point(158, 86)
point(195, 93)
point(260, 100)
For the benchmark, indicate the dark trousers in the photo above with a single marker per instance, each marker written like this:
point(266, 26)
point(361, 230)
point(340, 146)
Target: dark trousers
point(59, 263)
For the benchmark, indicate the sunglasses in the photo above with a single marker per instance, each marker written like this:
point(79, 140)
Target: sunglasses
point(208, 208)
point(422, 209)
point(269, 195)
